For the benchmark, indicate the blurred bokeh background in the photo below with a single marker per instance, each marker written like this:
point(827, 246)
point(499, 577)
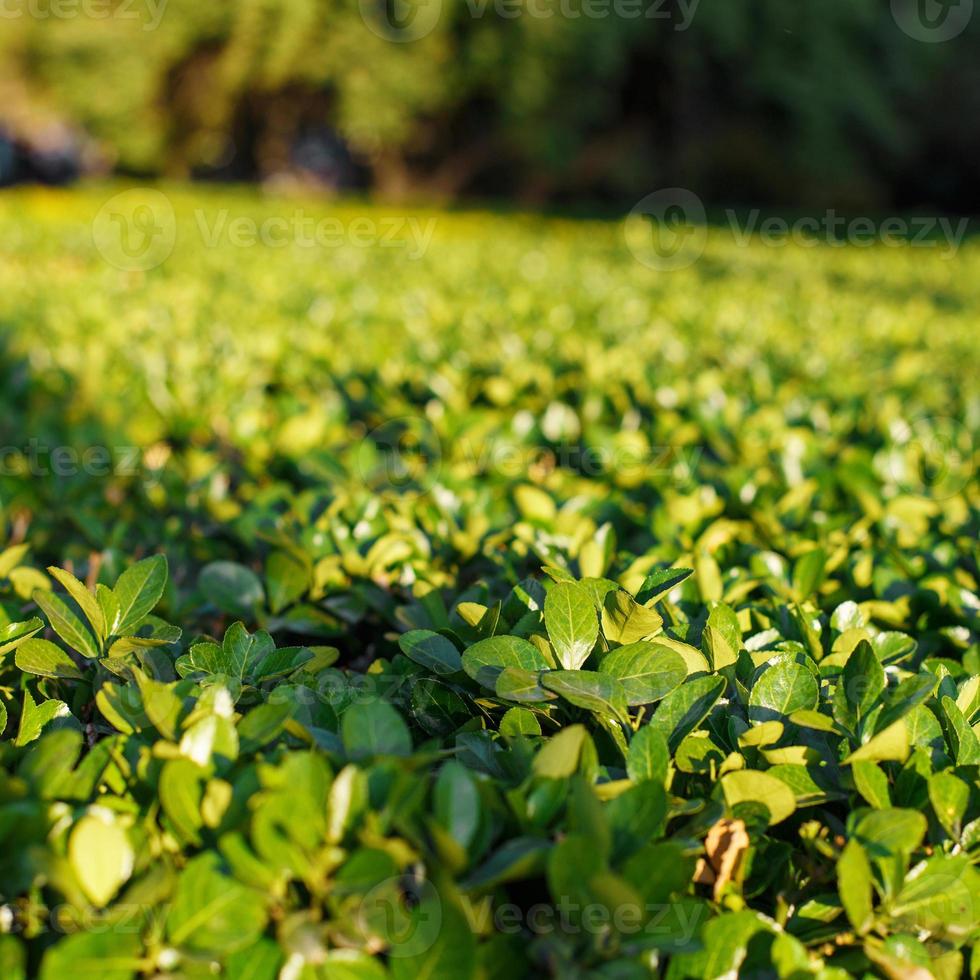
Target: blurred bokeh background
point(863, 104)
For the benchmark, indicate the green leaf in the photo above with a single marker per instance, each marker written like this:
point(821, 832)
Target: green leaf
point(262, 961)
point(637, 816)
point(872, 784)
point(519, 721)
point(42, 657)
point(647, 671)
point(231, 587)
point(517, 684)
point(485, 660)
point(854, 885)
point(109, 955)
point(950, 797)
point(571, 621)
point(11, 557)
point(434, 954)
point(85, 599)
point(782, 689)
point(67, 625)
point(749, 786)
point(648, 757)
point(34, 717)
point(137, 592)
point(535, 504)
point(681, 711)
point(212, 914)
point(860, 685)
point(101, 856)
point(352, 964)
point(890, 745)
point(162, 704)
point(885, 833)
point(286, 579)
point(559, 757)
point(659, 582)
point(181, 790)
point(431, 650)
point(809, 573)
point(962, 738)
point(14, 634)
point(721, 638)
point(457, 803)
point(587, 689)
point(625, 621)
point(263, 724)
point(659, 871)
point(374, 728)
point(518, 859)
point(13, 958)
point(939, 896)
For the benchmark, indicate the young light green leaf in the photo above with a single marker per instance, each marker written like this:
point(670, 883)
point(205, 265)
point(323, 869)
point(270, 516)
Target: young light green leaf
point(890, 745)
point(101, 856)
point(854, 885)
point(14, 634)
point(109, 955)
point(519, 721)
point(749, 786)
point(41, 657)
point(872, 784)
point(67, 625)
point(571, 621)
point(86, 601)
point(558, 758)
point(950, 797)
point(625, 621)
point(137, 592)
point(809, 573)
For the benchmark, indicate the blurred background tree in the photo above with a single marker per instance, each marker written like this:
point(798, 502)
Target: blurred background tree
point(820, 102)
